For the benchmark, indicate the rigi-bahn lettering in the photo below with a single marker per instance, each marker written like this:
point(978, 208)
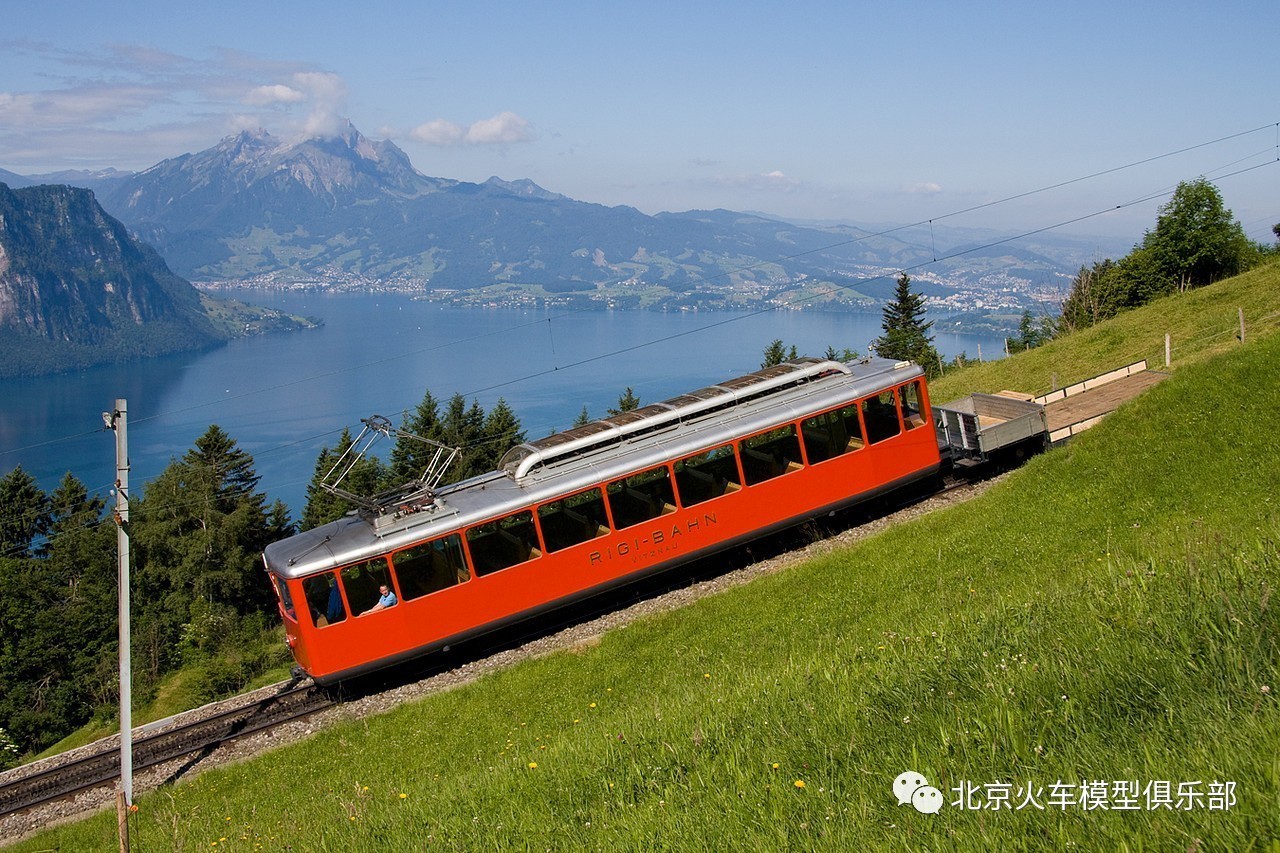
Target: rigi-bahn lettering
point(656, 542)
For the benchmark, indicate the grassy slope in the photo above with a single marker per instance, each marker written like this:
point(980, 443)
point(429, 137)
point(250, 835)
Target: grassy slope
point(1201, 323)
point(1103, 614)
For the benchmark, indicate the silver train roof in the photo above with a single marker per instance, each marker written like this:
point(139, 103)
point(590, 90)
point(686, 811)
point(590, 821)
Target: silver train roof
point(568, 462)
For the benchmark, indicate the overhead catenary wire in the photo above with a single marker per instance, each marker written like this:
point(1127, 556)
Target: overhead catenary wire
point(726, 273)
point(738, 318)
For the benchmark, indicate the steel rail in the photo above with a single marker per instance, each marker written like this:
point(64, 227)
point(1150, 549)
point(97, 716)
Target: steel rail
point(102, 766)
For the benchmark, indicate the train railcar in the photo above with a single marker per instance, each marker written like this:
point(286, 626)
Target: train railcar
point(579, 512)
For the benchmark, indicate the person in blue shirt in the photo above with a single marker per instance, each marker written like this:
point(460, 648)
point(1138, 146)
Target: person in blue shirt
point(386, 599)
point(333, 611)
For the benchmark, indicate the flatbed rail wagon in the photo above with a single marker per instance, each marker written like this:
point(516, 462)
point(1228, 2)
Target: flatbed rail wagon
point(976, 427)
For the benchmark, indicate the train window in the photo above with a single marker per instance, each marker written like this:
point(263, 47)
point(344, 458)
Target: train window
point(362, 583)
point(641, 497)
point(880, 414)
point(707, 475)
point(574, 519)
point(286, 598)
point(429, 567)
point(324, 601)
point(503, 543)
point(771, 454)
point(912, 411)
point(831, 434)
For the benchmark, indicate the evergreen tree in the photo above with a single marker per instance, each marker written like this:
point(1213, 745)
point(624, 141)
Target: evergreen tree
point(628, 402)
point(324, 506)
point(364, 478)
point(409, 458)
point(1030, 333)
point(906, 333)
point(198, 532)
point(24, 513)
point(279, 524)
point(57, 622)
point(845, 354)
point(583, 418)
point(77, 543)
point(229, 469)
point(501, 432)
point(777, 352)
point(463, 428)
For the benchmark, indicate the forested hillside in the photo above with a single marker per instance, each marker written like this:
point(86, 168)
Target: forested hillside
point(199, 598)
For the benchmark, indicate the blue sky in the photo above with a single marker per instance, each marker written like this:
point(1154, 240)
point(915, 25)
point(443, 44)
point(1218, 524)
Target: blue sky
point(824, 111)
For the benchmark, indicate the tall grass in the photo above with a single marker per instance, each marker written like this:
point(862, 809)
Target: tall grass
point(1104, 614)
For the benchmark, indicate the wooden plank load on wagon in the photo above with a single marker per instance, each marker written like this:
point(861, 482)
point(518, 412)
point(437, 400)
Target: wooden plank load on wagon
point(1072, 410)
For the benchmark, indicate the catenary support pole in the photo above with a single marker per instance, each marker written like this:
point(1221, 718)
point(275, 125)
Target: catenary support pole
point(118, 420)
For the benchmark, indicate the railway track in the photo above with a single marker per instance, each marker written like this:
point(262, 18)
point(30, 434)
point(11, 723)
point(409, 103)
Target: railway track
point(197, 737)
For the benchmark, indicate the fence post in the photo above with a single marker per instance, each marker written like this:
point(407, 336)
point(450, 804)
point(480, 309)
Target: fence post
point(1167, 349)
point(1241, 310)
point(979, 352)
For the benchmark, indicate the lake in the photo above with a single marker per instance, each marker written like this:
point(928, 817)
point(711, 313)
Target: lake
point(285, 396)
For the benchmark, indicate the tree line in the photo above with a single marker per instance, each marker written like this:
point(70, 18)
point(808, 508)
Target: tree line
point(200, 598)
point(1195, 242)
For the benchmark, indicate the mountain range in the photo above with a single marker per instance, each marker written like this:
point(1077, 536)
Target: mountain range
point(256, 205)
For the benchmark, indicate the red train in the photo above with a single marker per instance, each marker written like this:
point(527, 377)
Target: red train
point(578, 512)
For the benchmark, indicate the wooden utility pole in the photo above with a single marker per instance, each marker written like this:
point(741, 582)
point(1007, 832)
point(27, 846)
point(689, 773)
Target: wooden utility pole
point(118, 421)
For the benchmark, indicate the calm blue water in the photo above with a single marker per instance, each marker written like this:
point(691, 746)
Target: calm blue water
point(284, 397)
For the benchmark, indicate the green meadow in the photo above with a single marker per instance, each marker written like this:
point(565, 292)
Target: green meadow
point(1089, 650)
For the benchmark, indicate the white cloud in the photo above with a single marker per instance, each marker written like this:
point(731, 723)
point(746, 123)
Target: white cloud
point(766, 181)
point(506, 128)
point(503, 129)
point(278, 93)
point(130, 106)
point(438, 132)
point(328, 97)
point(925, 188)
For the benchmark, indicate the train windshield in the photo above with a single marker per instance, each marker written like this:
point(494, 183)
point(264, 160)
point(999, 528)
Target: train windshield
point(286, 599)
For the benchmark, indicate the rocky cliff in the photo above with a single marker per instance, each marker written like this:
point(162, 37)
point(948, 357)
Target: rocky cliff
point(77, 289)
